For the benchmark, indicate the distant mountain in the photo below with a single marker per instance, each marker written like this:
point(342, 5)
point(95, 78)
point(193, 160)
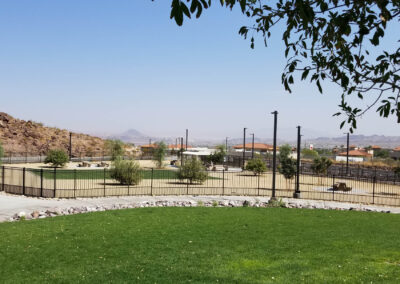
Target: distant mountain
point(358, 140)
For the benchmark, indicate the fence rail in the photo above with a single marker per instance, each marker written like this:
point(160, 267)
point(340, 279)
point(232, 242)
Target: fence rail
point(59, 183)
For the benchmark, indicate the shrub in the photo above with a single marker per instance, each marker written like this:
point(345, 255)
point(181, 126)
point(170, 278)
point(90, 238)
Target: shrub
point(287, 168)
point(214, 203)
point(321, 165)
point(127, 172)
point(309, 154)
point(284, 151)
point(115, 148)
point(256, 165)
point(58, 158)
point(218, 156)
point(193, 170)
point(397, 171)
point(159, 153)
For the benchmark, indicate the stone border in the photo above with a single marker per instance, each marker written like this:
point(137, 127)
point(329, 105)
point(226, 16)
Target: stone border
point(207, 201)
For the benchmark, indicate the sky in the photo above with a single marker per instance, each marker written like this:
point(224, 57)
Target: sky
point(106, 66)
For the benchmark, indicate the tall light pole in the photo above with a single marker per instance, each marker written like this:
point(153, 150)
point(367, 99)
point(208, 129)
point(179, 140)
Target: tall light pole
point(252, 146)
point(226, 144)
point(347, 154)
point(297, 192)
point(244, 146)
point(187, 135)
point(181, 151)
point(275, 113)
point(70, 146)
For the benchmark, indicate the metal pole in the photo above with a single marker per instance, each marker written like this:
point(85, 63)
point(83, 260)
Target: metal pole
point(275, 113)
point(226, 144)
point(3, 172)
point(104, 182)
point(373, 191)
point(74, 183)
point(55, 181)
point(187, 135)
point(181, 151)
point(223, 182)
point(41, 182)
point(252, 147)
point(244, 146)
point(297, 192)
point(23, 181)
point(151, 185)
point(70, 146)
point(347, 155)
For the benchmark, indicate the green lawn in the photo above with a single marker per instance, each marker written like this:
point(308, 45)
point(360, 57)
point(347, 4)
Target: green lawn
point(202, 245)
point(99, 174)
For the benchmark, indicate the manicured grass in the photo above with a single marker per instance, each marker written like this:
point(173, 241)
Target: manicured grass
point(202, 245)
point(99, 174)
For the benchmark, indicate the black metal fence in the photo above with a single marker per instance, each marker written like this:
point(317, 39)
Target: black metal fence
point(60, 183)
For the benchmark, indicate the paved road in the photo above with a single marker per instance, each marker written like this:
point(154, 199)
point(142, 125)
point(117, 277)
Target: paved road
point(12, 204)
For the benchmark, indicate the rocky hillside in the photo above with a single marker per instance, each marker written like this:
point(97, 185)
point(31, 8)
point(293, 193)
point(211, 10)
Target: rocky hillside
point(20, 136)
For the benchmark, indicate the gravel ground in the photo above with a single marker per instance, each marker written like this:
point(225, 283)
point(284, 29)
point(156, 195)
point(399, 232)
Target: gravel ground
point(12, 204)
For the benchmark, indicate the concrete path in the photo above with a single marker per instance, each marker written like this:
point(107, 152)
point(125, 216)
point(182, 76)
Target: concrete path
point(12, 204)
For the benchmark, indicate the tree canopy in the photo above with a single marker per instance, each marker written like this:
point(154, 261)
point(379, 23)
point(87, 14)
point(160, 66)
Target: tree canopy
point(334, 40)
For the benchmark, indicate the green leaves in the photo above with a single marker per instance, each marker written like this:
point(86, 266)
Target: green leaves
point(327, 40)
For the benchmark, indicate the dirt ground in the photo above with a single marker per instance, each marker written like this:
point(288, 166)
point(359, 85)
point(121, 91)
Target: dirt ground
point(228, 183)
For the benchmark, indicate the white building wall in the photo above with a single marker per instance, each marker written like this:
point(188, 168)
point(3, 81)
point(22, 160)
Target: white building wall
point(351, 159)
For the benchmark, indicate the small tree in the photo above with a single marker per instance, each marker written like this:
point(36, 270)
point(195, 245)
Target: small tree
point(127, 172)
point(218, 156)
point(288, 169)
point(257, 166)
point(284, 151)
point(58, 158)
point(321, 165)
point(115, 148)
point(396, 171)
point(159, 153)
point(309, 154)
point(193, 170)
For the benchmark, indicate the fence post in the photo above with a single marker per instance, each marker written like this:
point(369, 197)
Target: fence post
point(3, 172)
point(151, 183)
point(75, 183)
point(55, 181)
point(373, 190)
point(23, 181)
point(104, 182)
point(223, 181)
point(333, 188)
point(41, 182)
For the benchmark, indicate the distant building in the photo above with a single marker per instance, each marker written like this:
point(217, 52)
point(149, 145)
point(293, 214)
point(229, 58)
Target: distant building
point(354, 156)
point(258, 147)
point(395, 154)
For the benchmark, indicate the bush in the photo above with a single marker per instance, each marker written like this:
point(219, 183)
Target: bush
point(287, 168)
point(193, 170)
point(309, 154)
point(58, 158)
point(127, 172)
point(321, 165)
point(256, 165)
point(159, 153)
point(115, 148)
point(218, 156)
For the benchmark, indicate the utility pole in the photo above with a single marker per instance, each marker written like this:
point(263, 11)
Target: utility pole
point(297, 192)
point(244, 146)
point(275, 113)
point(150, 141)
point(252, 146)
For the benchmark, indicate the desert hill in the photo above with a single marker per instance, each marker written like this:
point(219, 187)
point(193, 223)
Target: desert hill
point(20, 136)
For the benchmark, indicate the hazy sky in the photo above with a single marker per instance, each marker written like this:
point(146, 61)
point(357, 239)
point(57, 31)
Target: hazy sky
point(105, 66)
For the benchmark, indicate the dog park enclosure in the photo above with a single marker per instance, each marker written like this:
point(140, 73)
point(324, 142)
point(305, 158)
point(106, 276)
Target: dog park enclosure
point(61, 183)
